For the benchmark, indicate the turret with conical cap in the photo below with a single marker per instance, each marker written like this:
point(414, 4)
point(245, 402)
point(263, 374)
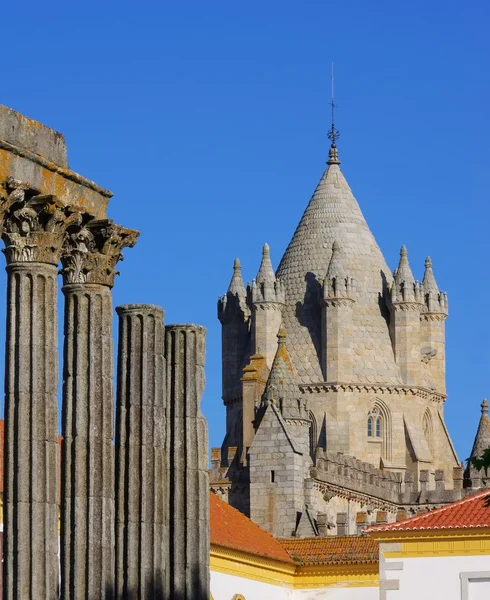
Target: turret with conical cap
point(406, 306)
point(234, 315)
point(433, 327)
point(267, 293)
point(337, 305)
point(473, 476)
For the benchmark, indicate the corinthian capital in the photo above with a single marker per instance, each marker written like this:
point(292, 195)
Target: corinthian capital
point(33, 226)
point(92, 251)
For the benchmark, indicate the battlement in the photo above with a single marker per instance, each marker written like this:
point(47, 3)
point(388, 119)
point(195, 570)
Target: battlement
point(357, 476)
point(267, 291)
point(360, 477)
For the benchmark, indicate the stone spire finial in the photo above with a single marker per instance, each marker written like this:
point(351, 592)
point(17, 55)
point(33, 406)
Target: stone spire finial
point(236, 284)
point(281, 337)
point(429, 281)
point(333, 156)
point(405, 288)
point(484, 407)
point(266, 272)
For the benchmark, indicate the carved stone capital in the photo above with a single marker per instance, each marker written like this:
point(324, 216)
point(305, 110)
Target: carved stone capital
point(92, 251)
point(33, 226)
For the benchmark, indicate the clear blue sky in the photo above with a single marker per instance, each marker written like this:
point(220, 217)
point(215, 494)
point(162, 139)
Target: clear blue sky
point(208, 120)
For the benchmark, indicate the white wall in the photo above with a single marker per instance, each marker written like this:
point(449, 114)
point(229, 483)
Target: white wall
point(223, 587)
point(429, 578)
point(334, 593)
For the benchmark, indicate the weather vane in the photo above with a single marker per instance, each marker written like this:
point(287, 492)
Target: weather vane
point(333, 134)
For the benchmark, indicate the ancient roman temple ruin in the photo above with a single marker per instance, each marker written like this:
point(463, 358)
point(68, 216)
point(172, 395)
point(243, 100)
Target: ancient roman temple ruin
point(132, 504)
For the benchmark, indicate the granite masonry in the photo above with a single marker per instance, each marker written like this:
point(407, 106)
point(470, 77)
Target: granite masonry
point(334, 382)
point(128, 528)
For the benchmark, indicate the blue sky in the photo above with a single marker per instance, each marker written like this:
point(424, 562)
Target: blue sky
point(208, 120)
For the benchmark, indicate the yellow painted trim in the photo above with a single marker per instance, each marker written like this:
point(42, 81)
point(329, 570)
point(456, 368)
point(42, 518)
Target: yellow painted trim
point(473, 541)
point(401, 536)
point(352, 575)
point(257, 568)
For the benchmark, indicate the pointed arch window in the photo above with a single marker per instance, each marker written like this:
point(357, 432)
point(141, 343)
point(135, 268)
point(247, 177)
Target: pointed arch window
point(375, 423)
point(379, 427)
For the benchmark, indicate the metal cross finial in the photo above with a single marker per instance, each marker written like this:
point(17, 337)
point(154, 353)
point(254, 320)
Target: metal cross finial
point(333, 134)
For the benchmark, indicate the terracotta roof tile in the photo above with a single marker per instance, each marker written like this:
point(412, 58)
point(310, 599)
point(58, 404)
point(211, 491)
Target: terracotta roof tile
point(332, 550)
point(469, 512)
point(231, 529)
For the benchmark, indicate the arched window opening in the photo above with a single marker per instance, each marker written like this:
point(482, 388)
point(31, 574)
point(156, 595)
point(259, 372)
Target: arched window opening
point(374, 423)
point(379, 427)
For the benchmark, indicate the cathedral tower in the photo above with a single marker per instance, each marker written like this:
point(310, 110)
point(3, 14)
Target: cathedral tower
point(365, 381)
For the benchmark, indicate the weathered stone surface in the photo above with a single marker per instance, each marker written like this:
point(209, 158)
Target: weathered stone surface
point(93, 250)
point(87, 550)
point(31, 434)
point(32, 136)
point(187, 499)
point(36, 155)
point(141, 473)
point(87, 500)
point(33, 227)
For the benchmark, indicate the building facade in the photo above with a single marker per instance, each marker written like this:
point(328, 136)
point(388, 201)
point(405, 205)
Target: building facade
point(334, 380)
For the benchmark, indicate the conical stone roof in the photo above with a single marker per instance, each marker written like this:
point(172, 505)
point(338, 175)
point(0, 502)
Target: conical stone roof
point(333, 215)
point(482, 438)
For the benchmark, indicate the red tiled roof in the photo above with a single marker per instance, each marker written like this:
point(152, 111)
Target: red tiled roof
point(332, 550)
point(231, 529)
point(469, 512)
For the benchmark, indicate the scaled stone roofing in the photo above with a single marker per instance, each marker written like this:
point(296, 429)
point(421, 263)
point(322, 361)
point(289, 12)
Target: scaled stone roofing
point(332, 550)
point(231, 529)
point(333, 215)
point(469, 512)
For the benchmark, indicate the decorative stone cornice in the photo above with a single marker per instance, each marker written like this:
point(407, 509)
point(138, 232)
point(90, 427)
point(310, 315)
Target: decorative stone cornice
point(33, 226)
point(435, 317)
point(323, 387)
point(267, 305)
point(335, 302)
point(92, 251)
point(407, 307)
point(343, 492)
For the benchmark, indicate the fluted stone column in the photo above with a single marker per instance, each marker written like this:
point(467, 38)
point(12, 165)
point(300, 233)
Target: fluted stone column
point(140, 458)
point(33, 229)
point(87, 501)
point(187, 456)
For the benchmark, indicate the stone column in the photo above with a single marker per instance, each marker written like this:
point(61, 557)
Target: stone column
point(33, 229)
point(140, 468)
point(87, 484)
point(187, 456)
